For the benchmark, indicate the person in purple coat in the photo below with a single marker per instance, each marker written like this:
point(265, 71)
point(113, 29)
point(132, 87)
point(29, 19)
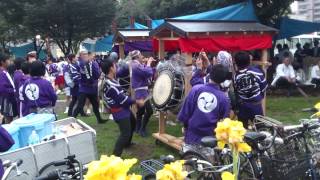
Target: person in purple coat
point(204, 106)
point(6, 142)
point(7, 91)
point(141, 74)
point(201, 72)
point(250, 86)
point(25, 67)
point(17, 78)
point(38, 93)
point(119, 104)
point(88, 85)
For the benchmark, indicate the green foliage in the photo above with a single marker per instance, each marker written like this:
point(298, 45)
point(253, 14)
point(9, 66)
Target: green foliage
point(67, 22)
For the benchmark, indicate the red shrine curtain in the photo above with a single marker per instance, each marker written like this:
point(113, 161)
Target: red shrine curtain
point(218, 43)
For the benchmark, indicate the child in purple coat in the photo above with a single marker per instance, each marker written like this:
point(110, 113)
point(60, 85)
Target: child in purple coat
point(38, 93)
point(250, 86)
point(25, 67)
point(7, 91)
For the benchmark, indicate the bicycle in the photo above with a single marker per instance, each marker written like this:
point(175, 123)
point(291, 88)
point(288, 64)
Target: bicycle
point(72, 169)
point(292, 158)
point(10, 166)
point(201, 169)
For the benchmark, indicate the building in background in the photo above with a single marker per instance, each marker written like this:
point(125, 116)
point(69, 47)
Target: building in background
point(308, 10)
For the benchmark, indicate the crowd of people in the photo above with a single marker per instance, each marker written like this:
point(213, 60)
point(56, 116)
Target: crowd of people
point(222, 86)
point(294, 68)
point(213, 97)
point(32, 86)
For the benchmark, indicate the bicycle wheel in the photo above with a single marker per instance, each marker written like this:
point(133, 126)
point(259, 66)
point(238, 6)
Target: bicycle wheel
point(193, 174)
point(247, 169)
point(150, 177)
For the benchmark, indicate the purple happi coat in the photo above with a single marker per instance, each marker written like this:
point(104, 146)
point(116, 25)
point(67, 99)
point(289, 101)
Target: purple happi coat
point(198, 78)
point(6, 142)
point(90, 73)
point(250, 86)
point(7, 87)
point(204, 106)
point(117, 100)
point(75, 76)
point(23, 111)
point(140, 79)
point(53, 69)
point(17, 78)
point(38, 93)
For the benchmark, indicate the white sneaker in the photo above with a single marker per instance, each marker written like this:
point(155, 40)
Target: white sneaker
point(58, 92)
point(110, 117)
point(66, 111)
point(88, 111)
point(171, 123)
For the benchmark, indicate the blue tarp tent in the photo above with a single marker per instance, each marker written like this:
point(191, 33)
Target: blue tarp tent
point(156, 23)
point(104, 44)
point(101, 45)
point(238, 12)
point(22, 51)
point(292, 27)
point(137, 26)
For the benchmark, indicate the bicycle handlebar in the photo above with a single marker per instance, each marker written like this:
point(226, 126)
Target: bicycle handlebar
point(51, 175)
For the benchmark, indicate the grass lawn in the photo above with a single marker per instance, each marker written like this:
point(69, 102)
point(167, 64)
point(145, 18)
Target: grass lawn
point(287, 110)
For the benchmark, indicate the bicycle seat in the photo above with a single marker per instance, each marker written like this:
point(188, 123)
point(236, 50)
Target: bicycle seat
point(254, 137)
point(209, 141)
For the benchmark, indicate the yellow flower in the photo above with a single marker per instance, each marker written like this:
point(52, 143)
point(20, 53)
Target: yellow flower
point(134, 177)
point(109, 168)
point(227, 176)
point(172, 171)
point(317, 106)
point(317, 114)
point(243, 147)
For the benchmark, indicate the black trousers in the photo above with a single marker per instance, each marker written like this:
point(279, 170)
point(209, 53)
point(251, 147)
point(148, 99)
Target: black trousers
point(93, 98)
point(143, 116)
point(73, 102)
point(316, 82)
point(283, 83)
point(126, 127)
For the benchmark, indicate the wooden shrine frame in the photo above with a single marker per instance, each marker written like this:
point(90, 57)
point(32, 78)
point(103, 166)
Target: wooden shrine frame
point(172, 33)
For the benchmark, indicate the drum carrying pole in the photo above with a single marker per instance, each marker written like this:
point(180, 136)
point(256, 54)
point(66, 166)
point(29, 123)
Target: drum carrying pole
point(162, 119)
point(264, 67)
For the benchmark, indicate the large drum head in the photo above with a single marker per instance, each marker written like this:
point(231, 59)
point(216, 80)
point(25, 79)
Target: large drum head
point(163, 88)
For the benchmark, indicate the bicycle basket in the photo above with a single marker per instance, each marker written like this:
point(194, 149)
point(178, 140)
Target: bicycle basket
point(285, 162)
point(150, 167)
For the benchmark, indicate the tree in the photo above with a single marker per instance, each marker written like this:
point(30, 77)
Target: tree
point(66, 22)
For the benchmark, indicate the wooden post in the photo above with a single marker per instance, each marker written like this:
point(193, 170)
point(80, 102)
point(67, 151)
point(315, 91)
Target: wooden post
point(162, 123)
point(188, 58)
point(264, 67)
point(121, 51)
point(188, 72)
point(161, 49)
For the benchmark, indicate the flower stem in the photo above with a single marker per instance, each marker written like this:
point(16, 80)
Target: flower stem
point(235, 158)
